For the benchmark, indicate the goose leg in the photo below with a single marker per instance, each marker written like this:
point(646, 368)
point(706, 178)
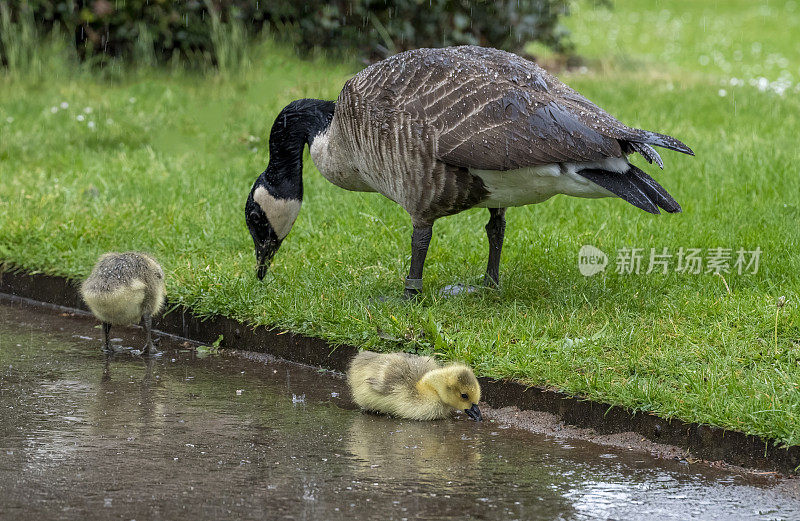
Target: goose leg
point(495, 231)
point(149, 348)
point(420, 240)
point(106, 331)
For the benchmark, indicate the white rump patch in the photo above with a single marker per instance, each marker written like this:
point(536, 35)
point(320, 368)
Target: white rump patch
point(281, 213)
point(538, 183)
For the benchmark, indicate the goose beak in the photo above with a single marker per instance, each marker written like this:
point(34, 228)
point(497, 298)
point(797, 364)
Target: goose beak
point(474, 413)
point(261, 270)
point(264, 256)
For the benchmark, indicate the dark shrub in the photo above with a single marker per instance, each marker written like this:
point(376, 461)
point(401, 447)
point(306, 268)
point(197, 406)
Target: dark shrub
point(378, 28)
point(373, 28)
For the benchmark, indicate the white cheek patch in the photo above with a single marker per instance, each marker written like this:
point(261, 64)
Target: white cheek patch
point(281, 213)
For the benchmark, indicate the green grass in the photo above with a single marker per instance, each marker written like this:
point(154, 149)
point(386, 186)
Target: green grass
point(172, 156)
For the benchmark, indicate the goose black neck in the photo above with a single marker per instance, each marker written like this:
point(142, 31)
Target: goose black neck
point(296, 126)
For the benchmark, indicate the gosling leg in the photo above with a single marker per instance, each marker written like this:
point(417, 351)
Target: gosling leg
point(495, 231)
point(149, 348)
point(106, 331)
point(420, 240)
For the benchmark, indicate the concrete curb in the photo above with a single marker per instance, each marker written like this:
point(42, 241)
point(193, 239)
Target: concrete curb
point(704, 441)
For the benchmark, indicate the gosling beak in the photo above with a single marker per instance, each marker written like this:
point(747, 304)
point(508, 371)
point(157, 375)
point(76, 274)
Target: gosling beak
point(264, 255)
point(474, 413)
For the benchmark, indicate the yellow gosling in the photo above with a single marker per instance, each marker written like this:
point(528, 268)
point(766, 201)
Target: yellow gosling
point(413, 387)
point(123, 289)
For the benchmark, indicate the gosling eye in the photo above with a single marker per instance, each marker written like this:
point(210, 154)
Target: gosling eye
point(464, 395)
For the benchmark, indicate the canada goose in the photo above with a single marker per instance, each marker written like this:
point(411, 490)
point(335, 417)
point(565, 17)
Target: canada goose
point(413, 387)
point(122, 289)
point(439, 131)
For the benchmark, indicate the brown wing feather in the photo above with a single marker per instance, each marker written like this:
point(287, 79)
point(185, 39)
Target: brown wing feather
point(493, 110)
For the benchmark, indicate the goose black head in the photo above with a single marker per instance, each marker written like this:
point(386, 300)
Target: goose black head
point(277, 194)
point(269, 218)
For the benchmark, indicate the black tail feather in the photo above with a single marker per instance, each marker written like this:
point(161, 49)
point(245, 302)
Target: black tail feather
point(634, 186)
point(655, 191)
point(621, 185)
point(660, 140)
point(647, 152)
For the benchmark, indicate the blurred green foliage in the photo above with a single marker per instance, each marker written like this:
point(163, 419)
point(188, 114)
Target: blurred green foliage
point(159, 30)
point(378, 28)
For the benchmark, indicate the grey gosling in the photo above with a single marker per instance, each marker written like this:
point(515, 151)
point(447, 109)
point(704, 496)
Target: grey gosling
point(413, 387)
point(439, 131)
point(123, 289)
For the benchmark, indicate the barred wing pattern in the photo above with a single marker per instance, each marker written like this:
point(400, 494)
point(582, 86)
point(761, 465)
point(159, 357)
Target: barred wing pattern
point(493, 110)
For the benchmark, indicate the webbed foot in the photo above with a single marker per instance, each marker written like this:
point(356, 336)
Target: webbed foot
point(412, 289)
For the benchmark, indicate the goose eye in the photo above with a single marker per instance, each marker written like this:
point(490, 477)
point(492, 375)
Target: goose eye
point(464, 395)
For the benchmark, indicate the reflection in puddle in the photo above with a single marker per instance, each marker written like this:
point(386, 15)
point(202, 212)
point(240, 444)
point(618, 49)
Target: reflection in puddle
point(179, 437)
point(410, 452)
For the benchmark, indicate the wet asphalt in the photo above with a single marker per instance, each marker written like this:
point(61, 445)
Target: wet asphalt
point(86, 436)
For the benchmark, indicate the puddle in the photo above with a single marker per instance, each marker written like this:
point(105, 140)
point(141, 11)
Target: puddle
point(226, 436)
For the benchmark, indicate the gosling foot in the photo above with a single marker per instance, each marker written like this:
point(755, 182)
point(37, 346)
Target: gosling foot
point(112, 350)
point(150, 350)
